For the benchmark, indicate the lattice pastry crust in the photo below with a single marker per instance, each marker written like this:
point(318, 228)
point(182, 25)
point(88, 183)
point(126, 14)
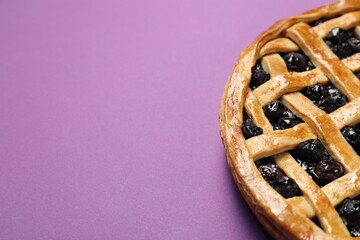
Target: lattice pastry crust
point(291, 218)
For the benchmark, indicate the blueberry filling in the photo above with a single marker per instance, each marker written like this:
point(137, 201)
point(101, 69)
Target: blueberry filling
point(318, 22)
point(331, 103)
point(271, 173)
point(297, 62)
point(343, 43)
point(263, 161)
point(284, 185)
point(342, 50)
point(349, 212)
point(274, 110)
point(312, 151)
point(352, 135)
point(316, 221)
point(328, 170)
point(280, 116)
point(317, 162)
point(355, 231)
point(315, 92)
point(249, 129)
point(326, 97)
point(357, 74)
point(354, 44)
point(338, 35)
point(258, 75)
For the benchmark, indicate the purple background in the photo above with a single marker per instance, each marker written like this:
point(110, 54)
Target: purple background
point(109, 117)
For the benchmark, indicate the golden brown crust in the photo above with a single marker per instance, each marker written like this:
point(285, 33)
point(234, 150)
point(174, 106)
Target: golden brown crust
point(290, 218)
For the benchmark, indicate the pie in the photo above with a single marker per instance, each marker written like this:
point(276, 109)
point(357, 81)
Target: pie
point(290, 124)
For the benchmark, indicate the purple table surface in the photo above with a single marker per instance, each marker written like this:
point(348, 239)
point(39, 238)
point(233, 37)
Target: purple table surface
point(109, 117)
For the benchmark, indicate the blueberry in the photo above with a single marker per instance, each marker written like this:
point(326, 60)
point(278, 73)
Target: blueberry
point(351, 33)
point(314, 93)
point(271, 173)
point(332, 99)
point(280, 116)
point(337, 35)
point(295, 62)
point(333, 92)
point(354, 44)
point(328, 170)
point(287, 187)
point(343, 50)
point(333, 47)
point(309, 164)
point(336, 94)
point(284, 185)
point(329, 44)
point(312, 151)
point(355, 231)
point(350, 212)
point(309, 167)
point(341, 42)
point(309, 66)
point(259, 75)
point(306, 165)
point(249, 129)
point(326, 97)
point(330, 104)
point(274, 110)
point(352, 135)
point(288, 120)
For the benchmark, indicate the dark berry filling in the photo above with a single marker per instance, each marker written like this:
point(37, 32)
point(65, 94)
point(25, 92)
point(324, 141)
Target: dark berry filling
point(354, 44)
point(274, 110)
point(326, 97)
point(284, 185)
point(343, 43)
point(288, 120)
point(280, 116)
point(271, 173)
point(349, 211)
point(352, 135)
point(337, 35)
point(318, 22)
point(249, 129)
point(355, 231)
point(312, 151)
point(357, 74)
point(328, 170)
point(316, 221)
point(315, 92)
point(287, 187)
point(317, 162)
point(297, 62)
point(258, 75)
point(263, 161)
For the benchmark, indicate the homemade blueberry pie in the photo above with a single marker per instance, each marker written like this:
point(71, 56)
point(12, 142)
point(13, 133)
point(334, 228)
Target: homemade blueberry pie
point(290, 124)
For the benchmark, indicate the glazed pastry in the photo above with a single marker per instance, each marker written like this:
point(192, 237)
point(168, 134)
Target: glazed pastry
point(290, 124)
